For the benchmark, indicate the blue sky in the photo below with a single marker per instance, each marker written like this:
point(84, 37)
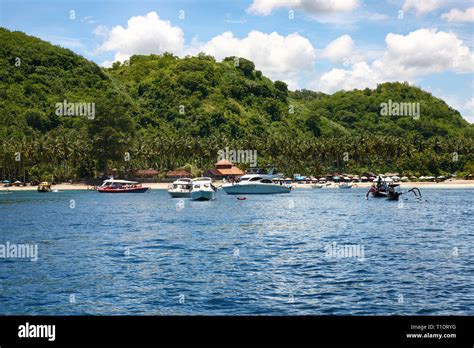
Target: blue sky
point(319, 45)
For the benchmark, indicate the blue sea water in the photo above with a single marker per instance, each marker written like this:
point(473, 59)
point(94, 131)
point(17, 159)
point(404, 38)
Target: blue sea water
point(149, 254)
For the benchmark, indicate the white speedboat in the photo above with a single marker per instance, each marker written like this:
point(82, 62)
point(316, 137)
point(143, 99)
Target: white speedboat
point(181, 188)
point(255, 184)
point(203, 189)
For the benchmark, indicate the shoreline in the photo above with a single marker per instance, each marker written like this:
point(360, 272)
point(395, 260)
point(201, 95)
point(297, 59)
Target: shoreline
point(453, 184)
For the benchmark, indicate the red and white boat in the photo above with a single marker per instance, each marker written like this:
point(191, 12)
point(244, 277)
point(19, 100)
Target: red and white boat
point(121, 186)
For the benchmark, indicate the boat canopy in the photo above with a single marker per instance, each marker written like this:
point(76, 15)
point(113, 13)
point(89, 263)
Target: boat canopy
point(113, 181)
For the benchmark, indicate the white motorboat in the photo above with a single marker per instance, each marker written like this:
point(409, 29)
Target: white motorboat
point(181, 188)
point(203, 189)
point(345, 185)
point(255, 184)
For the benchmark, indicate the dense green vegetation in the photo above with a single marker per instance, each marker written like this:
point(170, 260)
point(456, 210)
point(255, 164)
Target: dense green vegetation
point(163, 112)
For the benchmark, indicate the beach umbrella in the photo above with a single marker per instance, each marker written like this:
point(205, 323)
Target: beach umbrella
point(388, 179)
point(404, 178)
point(441, 177)
point(364, 177)
point(6, 181)
point(17, 182)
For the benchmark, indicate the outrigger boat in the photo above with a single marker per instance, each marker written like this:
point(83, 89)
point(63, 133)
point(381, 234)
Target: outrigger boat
point(121, 186)
point(378, 189)
point(390, 191)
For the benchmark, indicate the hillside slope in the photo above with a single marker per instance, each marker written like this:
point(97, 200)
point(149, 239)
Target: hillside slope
point(168, 111)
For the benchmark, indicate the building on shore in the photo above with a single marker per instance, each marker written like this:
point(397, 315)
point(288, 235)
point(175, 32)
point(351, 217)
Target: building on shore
point(224, 169)
point(173, 175)
point(145, 175)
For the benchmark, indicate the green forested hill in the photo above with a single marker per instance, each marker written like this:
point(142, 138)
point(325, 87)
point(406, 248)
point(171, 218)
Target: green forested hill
point(167, 112)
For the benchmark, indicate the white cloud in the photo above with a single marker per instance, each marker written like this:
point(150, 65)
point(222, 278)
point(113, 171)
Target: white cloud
point(456, 15)
point(359, 76)
point(419, 53)
point(143, 35)
point(339, 50)
point(421, 7)
point(422, 52)
point(469, 107)
point(265, 7)
point(279, 57)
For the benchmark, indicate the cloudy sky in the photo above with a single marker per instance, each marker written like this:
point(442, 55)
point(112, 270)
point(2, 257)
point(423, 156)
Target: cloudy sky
point(323, 45)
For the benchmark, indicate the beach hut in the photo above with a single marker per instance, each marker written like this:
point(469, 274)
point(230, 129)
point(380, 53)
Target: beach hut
point(145, 175)
point(177, 174)
point(224, 169)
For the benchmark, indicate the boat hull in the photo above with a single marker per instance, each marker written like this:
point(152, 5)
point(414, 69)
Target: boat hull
point(127, 190)
point(201, 195)
point(255, 189)
point(379, 194)
point(180, 194)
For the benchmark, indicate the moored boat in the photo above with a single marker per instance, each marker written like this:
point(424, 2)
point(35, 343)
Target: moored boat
point(121, 186)
point(389, 190)
point(345, 185)
point(255, 184)
point(44, 187)
point(181, 188)
point(203, 189)
point(378, 188)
